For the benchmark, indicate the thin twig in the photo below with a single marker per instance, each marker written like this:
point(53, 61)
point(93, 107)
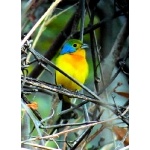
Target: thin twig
point(97, 25)
point(110, 61)
point(64, 125)
point(45, 23)
point(86, 114)
point(83, 137)
point(40, 146)
point(64, 91)
point(63, 36)
point(70, 130)
point(82, 8)
point(47, 118)
point(45, 60)
point(33, 119)
point(50, 10)
point(125, 148)
point(57, 43)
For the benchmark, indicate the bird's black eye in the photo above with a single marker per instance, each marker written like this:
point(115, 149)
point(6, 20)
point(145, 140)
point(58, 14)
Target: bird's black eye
point(74, 45)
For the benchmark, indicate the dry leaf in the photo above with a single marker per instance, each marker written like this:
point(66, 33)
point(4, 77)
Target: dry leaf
point(124, 94)
point(33, 105)
point(120, 133)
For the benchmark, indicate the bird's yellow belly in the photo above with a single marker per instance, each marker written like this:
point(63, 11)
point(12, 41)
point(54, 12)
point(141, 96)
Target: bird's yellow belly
point(77, 69)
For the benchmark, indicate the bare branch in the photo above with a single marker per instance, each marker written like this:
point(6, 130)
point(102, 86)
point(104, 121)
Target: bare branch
point(48, 12)
point(110, 61)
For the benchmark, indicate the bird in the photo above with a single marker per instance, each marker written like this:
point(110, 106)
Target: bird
point(72, 60)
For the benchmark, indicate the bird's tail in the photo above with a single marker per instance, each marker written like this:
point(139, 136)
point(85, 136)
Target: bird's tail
point(66, 104)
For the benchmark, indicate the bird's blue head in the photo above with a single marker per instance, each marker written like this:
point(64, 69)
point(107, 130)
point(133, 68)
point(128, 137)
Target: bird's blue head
point(72, 45)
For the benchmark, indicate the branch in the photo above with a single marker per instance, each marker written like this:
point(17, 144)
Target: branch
point(75, 129)
point(82, 8)
point(42, 59)
point(70, 130)
point(63, 36)
point(110, 61)
point(48, 12)
point(64, 125)
point(33, 119)
point(60, 39)
point(32, 83)
point(97, 25)
point(42, 147)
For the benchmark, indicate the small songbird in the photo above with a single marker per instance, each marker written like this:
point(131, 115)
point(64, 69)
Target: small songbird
point(72, 60)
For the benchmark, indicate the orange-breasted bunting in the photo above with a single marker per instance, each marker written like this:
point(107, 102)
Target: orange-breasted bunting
point(72, 60)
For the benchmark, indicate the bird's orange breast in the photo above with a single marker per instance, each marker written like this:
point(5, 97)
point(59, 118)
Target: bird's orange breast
point(75, 65)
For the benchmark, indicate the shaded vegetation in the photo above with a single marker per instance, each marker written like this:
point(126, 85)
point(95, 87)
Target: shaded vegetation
point(100, 113)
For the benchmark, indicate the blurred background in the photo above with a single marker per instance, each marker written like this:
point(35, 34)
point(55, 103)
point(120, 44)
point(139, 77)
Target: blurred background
point(108, 52)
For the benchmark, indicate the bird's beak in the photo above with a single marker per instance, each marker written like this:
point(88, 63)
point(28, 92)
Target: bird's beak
point(84, 46)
